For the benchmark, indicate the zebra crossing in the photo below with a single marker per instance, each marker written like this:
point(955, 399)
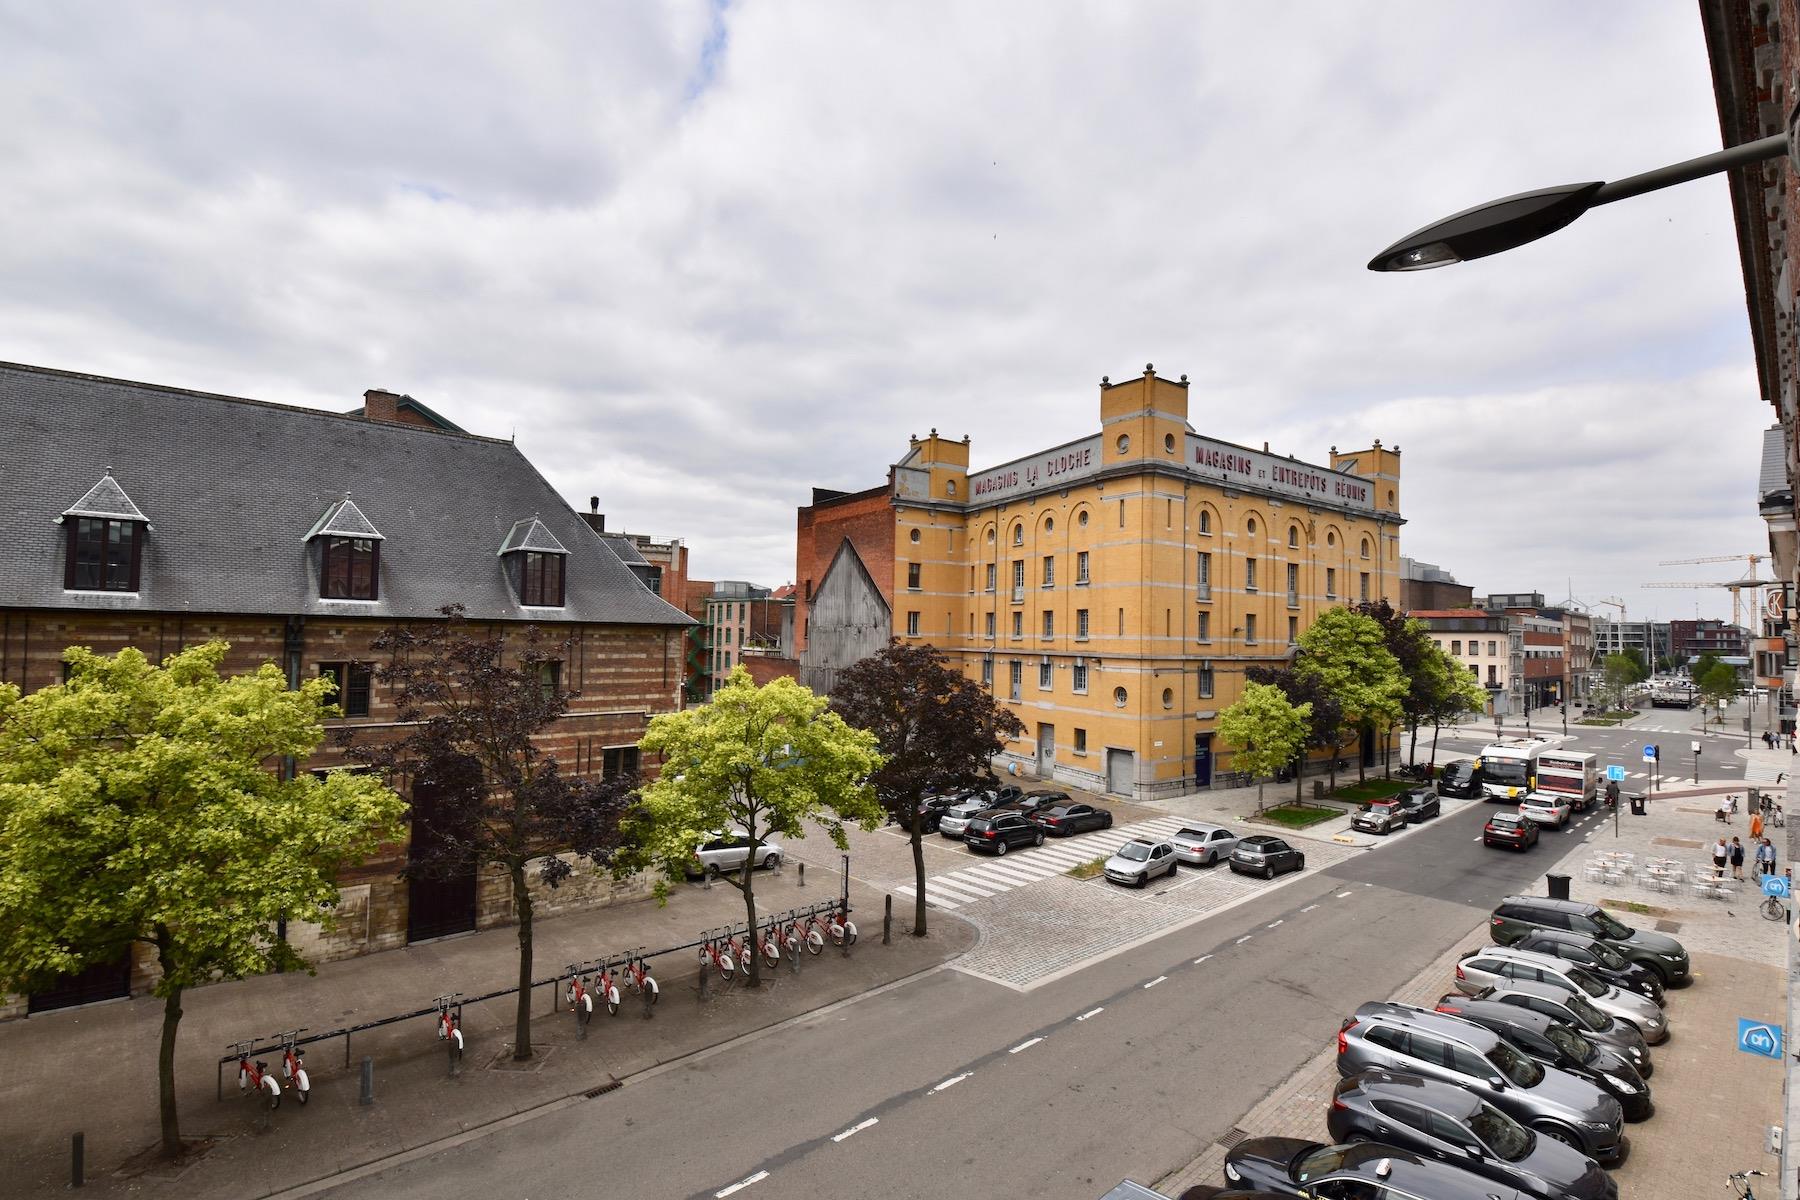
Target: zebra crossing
point(994, 876)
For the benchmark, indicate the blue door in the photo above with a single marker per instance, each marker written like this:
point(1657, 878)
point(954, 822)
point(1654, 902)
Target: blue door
point(1202, 760)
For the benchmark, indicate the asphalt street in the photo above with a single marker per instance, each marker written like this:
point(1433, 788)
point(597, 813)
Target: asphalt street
point(953, 1085)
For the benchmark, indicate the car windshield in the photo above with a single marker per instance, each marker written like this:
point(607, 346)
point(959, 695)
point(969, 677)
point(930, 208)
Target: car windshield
point(1610, 925)
point(1578, 1048)
point(1501, 1134)
point(1193, 835)
point(1591, 1018)
point(1134, 851)
point(1586, 982)
point(1505, 771)
point(1317, 1161)
point(1609, 958)
point(1521, 1070)
point(1503, 822)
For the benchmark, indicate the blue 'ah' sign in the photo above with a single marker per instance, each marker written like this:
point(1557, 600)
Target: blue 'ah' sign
point(1759, 1038)
point(1775, 885)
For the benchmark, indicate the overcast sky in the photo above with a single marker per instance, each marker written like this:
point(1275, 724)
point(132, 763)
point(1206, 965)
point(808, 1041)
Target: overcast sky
point(701, 258)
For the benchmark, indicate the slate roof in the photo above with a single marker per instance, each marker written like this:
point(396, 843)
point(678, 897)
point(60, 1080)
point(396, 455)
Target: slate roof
point(231, 487)
point(530, 534)
point(1772, 480)
point(344, 519)
point(105, 499)
point(626, 549)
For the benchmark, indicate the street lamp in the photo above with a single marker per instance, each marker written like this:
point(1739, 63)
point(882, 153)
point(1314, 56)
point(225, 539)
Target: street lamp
point(1512, 221)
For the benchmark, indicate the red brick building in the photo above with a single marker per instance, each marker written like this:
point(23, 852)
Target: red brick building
point(864, 519)
point(155, 517)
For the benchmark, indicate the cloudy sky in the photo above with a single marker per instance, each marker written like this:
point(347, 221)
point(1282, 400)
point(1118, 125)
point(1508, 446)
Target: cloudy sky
point(700, 257)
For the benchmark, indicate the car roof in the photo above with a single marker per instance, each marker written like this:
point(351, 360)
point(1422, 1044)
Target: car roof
point(1139, 841)
point(1562, 937)
point(1260, 839)
point(1511, 1014)
point(1412, 1173)
point(1446, 1098)
point(1503, 815)
point(1532, 987)
point(1200, 827)
point(1428, 1020)
point(1567, 906)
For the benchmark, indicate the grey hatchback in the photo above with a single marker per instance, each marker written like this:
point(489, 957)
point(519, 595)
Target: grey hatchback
point(1400, 1037)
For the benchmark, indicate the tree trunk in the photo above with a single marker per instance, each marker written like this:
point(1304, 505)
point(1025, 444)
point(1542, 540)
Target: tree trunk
point(1299, 769)
point(1362, 768)
point(918, 853)
point(1335, 747)
point(165, 1055)
point(1434, 737)
point(751, 950)
point(1412, 754)
point(522, 1019)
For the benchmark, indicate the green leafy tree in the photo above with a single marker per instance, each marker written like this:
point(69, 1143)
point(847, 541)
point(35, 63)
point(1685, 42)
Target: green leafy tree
point(141, 805)
point(1407, 640)
point(1620, 672)
point(1454, 691)
point(472, 708)
point(1347, 653)
point(764, 760)
point(1266, 730)
point(937, 731)
point(1326, 717)
point(1718, 683)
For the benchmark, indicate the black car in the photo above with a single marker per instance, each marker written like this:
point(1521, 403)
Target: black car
point(1419, 803)
point(930, 811)
point(1032, 803)
point(1560, 1004)
point(1061, 820)
point(1662, 954)
point(1287, 1165)
point(1595, 955)
point(1511, 830)
point(1461, 779)
point(1446, 1122)
point(1212, 1191)
point(1559, 1044)
point(998, 830)
point(1261, 854)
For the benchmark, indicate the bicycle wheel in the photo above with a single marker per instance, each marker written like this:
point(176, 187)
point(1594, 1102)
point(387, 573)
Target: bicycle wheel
point(815, 941)
point(1772, 909)
point(651, 989)
point(456, 1043)
point(850, 930)
point(612, 1000)
point(272, 1091)
point(302, 1085)
point(727, 969)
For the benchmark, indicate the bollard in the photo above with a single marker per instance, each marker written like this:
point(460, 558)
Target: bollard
point(706, 876)
point(802, 874)
point(887, 922)
point(368, 1081)
point(77, 1168)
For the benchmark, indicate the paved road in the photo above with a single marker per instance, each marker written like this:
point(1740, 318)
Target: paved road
point(1143, 1058)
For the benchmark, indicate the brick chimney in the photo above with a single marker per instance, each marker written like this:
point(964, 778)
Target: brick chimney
point(593, 516)
point(381, 405)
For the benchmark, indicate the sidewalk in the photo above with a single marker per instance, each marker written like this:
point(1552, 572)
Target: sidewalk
point(93, 1069)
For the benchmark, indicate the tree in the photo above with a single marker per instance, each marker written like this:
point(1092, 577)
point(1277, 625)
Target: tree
point(764, 760)
point(1326, 714)
point(142, 804)
point(1620, 671)
point(1718, 683)
point(1267, 730)
point(472, 707)
point(1347, 653)
point(936, 728)
point(1454, 690)
point(1412, 648)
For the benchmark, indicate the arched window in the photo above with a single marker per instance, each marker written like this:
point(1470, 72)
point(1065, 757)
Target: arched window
point(1365, 547)
point(1205, 521)
point(1293, 537)
point(1019, 539)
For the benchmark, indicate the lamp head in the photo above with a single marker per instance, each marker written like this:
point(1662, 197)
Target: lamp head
point(1488, 228)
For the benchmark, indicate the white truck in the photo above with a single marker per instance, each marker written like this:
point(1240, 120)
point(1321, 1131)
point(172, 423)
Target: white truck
point(1571, 773)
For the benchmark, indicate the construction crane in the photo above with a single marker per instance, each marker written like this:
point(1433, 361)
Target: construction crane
point(1737, 587)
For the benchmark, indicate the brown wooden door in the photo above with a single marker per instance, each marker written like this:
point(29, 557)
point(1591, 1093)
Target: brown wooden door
point(103, 981)
point(443, 902)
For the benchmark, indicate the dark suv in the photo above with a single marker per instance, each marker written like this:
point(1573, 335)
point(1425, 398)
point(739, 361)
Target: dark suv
point(998, 830)
point(1660, 953)
point(1572, 1010)
point(1556, 1044)
point(1597, 957)
point(1292, 1167)
point(1461, 779)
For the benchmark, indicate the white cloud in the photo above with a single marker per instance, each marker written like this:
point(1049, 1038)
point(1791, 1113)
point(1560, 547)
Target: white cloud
point(702, 258)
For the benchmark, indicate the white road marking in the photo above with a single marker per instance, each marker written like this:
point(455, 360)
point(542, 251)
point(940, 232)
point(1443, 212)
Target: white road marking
point(1243, 939)
point(1344, 895)
point(952, 1081)
point(1273, 924)
point(1092, 1012)
point(741, 1185)
point(1025, 1045)
point(1201, 959)
point(1155, 981)
point(1310, 907)
point(855, 1129)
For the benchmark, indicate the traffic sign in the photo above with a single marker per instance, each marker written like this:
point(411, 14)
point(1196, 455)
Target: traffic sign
point(1649, 752)
point(1759, 1038)
point(1615, 773)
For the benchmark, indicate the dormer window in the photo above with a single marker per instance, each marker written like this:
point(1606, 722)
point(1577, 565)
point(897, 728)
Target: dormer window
point(105, 540)
point(349, 553)
point(535, 563)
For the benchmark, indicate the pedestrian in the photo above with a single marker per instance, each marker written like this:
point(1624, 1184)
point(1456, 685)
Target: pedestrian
point(1791, 747)
point(1737, 859)
point(1721, 854)
point(1724, 811)
point(1767, 743)
point(1756, 825)
point(1765, 858)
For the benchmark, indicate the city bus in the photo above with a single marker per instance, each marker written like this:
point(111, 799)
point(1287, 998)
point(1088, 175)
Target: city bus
point(1509, 768)
point(1570, 773)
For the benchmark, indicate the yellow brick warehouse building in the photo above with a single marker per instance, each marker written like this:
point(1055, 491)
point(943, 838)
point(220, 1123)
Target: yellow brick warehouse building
point(1111, 590)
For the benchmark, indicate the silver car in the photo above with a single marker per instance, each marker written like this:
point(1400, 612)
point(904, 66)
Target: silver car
point(955, 821)
point(724, 853)
point(1139, 861)
point(1203, 845)
point(1546, 808)
point(1496, 966)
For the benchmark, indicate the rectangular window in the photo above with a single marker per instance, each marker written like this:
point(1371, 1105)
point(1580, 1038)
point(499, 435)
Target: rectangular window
point(549, 676)
point(1203, 626)
point(348, 568)
point(1203, 574)
point(1250, 629)
point(541, 579)
point(1249, 574)
point(990, 576)
point(1081, 624)
point(1018, 626)
point(1078, 678)
point(1363, 586)
point(618, 760)
point(1293, 580)
point(1293, 630)
point(1121, 622)
point(1049, 570)
point(1081, 566)
point(1015, 675)
point(912, 624)
point(1045, 674)
point(1121, 514)
point(1331, 583)
point(1491, 649)
point(102, 556)
point(1018, 585)
point(352, 680)
point(1456, 648)
point(1206, 681)
point(987, 671)
point(990, 624)
point(1081, 741)
point(912, 576)
point(1493, 679)
point(1049, 623)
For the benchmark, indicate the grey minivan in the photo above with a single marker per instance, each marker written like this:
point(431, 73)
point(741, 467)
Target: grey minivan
point(1485, 968)
point(1401, 1037)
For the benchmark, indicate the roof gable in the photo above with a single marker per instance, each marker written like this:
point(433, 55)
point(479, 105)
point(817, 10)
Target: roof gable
point(344, 519)
point(106, 499)
point(531, 535)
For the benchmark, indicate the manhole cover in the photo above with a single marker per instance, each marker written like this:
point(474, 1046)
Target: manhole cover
point(1682, 843)
point(1668, 927)
point(1232, 1138)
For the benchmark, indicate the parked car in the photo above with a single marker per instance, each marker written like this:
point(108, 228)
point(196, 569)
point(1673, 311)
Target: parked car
point(1400, 1037)
point(955, 821)
point(1381, 816)
point(998, 830)
point(1060, 820)
point(1571, 1009)
point(1510, 830)
point(1139, 861)
point(1203, 845)
point(1660, 953)
point(1419, 804)
point(1546, 808)
point(1449, 1123)
point(723, 853)
point(1485, 968)
point(1557, 1044)
point(1033, 803)
point(1292, 1167)
point(1597, 957)
point(1262, 854)
point(930, 811)
point(1461, 779)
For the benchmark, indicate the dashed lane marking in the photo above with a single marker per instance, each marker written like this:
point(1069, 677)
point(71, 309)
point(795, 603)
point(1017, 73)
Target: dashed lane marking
point(1243, 939)
point(1026, 1045)
point(1273, 924)
point(952, 1081)
point(741, 1184)
point(1092, 1012)
point(1310, 907)
point(1201, 959)
point(1154, 982)
point(1345, 895)
point(856, 1129)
